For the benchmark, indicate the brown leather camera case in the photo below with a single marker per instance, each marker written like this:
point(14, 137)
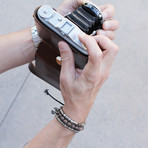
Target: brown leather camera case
point(45, 66)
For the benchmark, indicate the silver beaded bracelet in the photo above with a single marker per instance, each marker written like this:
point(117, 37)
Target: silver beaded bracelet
point(67, 121)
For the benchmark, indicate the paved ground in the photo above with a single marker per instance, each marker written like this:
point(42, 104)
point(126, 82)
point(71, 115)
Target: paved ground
point(119, 118)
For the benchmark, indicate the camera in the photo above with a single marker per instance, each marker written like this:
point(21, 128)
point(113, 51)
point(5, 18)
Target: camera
point(52, 28)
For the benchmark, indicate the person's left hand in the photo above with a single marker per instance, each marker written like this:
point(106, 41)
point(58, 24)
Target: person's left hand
point(79, 87)
point(110, 25)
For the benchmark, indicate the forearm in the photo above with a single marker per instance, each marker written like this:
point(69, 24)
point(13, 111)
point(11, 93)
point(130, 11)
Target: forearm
point(54, 135)
point(16, 49)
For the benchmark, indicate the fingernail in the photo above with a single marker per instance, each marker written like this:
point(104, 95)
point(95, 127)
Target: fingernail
point(106, 25)
point(63, 49)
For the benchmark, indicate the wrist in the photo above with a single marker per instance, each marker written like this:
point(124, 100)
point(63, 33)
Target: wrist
point(26, 45)
point(67, 121)
point(77, 109)
point(64, 131)
point(76, 114)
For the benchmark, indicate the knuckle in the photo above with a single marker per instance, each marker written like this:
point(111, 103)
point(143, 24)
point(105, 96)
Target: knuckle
point(66, 58)
point(112, 36)
point(64, 81)
point(97, 57)
point(90, 39)
point(62, 78)
point(116, 48)
point(117, 24)
point(91, 79)
point(106, 76)
point(102, 38)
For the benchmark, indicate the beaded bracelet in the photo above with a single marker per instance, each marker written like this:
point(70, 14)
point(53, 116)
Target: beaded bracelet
point(67, 121)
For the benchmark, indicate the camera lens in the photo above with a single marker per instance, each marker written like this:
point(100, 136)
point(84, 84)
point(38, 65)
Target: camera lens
point(87, 17)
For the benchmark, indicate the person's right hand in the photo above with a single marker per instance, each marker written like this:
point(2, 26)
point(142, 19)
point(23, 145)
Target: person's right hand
point(79, 88)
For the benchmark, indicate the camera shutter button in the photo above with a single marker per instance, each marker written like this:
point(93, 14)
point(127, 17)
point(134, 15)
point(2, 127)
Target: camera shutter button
point(45, 11)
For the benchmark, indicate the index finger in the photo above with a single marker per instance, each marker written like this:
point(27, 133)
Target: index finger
point(92, 68)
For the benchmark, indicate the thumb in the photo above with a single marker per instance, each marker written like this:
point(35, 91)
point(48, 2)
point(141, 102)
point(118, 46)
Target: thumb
point(67, 59)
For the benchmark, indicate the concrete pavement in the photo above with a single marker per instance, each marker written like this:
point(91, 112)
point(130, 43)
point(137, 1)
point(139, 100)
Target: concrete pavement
point(119, 117)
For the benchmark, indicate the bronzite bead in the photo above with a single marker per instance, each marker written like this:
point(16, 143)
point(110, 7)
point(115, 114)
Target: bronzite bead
point(76, 127)
point(60, 115)
point(62, 118)
point(65, 121)
point(69, 124)
point(73, 126)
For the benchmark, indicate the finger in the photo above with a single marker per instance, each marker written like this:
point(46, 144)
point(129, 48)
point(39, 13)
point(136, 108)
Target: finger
point(92, 47)
point(108, 11)
point(67, 59)
point(70, 5)
point(91, 69)
point(81, 2)
point(111, 25)
point(110, 50)
point(109, 34)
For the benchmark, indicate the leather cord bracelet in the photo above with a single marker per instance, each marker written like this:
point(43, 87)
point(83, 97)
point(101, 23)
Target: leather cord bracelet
point(67, 121)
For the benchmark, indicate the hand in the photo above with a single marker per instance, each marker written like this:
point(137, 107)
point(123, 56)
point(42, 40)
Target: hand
point(70, 5)
point(109, 26)
point(79, 88)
